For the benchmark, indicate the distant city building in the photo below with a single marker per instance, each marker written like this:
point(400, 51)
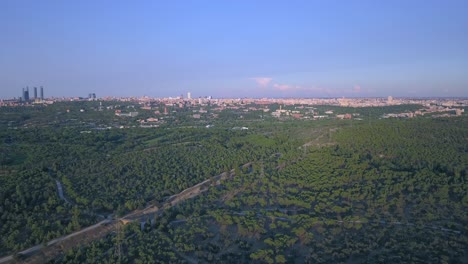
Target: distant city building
point(390, 99)
point(26, 94)
point(92, 96)
point(297, 116)
point(189, 95)
point(343, 102)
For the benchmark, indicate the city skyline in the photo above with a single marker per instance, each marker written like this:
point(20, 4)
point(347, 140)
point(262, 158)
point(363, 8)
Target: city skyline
point(231, 50)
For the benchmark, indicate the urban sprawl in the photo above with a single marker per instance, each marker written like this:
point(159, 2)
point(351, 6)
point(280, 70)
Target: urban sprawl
point(281, 108)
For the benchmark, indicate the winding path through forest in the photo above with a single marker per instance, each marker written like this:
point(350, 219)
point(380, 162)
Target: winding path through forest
point(60, 191)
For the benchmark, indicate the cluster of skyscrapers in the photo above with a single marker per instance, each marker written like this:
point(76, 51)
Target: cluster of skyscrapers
point(26, 96)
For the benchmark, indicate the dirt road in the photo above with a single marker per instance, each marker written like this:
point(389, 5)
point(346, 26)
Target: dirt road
point(38, 247)
point(134, 215)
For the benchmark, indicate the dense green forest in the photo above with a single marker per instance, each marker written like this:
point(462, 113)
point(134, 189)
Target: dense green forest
point(316, 191)
point(386, 192)
point(112, 171)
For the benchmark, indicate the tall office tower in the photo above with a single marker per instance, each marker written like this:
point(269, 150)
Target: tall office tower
point(189, 95)
point(42, 93)
point(35, 92)
point(26, 94)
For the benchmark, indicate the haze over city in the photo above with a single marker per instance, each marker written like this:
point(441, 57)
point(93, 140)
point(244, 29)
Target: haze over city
point(235, 48)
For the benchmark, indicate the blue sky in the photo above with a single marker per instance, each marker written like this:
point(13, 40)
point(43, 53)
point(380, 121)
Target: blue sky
point(235, 48)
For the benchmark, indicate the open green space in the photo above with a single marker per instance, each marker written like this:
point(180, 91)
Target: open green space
point(325, 191)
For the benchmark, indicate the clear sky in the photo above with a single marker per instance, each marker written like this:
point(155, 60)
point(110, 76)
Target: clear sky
point(238, 48)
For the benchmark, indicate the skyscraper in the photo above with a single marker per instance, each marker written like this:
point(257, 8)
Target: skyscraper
point(42, 93)
point(189, 95)
point(35, 92)
point(26, 94)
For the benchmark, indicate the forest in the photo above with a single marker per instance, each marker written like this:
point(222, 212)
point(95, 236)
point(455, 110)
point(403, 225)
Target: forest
point(316, 191)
